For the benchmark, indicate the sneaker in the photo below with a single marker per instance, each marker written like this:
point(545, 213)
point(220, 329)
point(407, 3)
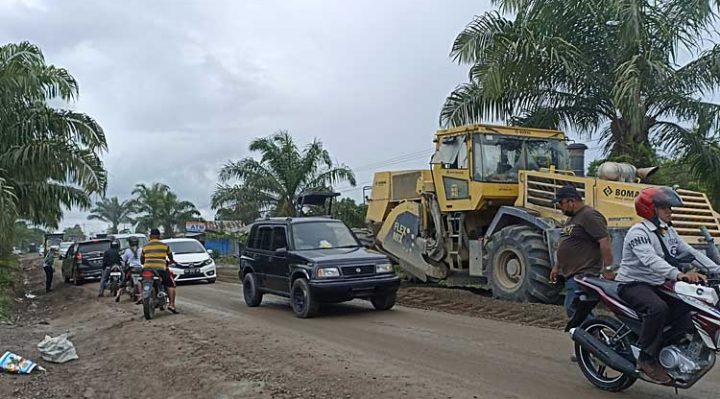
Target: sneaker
point(654, 371)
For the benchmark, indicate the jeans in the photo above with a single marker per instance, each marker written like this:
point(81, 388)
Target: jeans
point(572, 291)
point(103, 280)
point(48, 277)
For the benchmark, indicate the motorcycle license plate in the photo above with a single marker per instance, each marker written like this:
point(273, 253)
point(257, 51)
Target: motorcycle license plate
point(115, 274)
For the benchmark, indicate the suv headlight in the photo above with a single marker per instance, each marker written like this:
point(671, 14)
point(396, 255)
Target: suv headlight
point(207, 262)
point(384, 268)
point(325, 272)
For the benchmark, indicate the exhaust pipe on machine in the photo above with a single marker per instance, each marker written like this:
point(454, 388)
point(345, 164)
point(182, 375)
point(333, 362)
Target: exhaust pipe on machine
point(603, 352)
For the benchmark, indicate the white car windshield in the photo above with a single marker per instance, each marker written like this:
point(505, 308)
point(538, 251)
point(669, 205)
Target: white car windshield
point(322, 235)
point(186, 247)
point(125, 242)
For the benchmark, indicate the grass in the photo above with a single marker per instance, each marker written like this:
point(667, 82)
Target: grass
point(227, 260)
point(9, 269)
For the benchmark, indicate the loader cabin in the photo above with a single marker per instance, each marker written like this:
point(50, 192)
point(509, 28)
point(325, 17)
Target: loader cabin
point(477, 166)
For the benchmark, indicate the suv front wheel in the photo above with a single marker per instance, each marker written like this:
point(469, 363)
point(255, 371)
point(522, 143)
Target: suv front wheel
point(384, 301)
point(302, 302)
point(252, 295)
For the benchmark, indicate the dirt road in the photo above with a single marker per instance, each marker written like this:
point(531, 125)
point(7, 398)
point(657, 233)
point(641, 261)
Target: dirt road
point(219, 348)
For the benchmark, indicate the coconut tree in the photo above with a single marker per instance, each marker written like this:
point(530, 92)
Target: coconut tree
point(605, 68)
point(283, 172)
point(158, 206)
point(49, 157)
point(112, 211)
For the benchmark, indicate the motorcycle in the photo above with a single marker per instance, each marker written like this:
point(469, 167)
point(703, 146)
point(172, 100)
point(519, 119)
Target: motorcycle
point(153, 294)
point(606, 347)
point(130, 284)
point(114, 279)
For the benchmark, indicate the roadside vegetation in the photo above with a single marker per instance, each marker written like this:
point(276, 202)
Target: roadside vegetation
point(9, 275)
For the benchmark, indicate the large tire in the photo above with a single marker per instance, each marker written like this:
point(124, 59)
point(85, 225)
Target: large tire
point(592, 368)
point(301, 300)
point(384, 301)
point(519, 266)
point(253, 296)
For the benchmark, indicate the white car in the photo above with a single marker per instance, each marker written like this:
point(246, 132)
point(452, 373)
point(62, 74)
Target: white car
point(192, 261)
point(124, 240)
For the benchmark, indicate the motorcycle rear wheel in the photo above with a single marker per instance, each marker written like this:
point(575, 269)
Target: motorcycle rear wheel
point(149, 306)
point(113, 288)
point(594, 370)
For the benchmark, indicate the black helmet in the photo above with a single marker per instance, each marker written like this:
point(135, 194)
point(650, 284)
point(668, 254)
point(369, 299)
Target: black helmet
point(115, 244)
point(133, 241)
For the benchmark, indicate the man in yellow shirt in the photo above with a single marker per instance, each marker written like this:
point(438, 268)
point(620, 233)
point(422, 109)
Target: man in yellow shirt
point(156, 255)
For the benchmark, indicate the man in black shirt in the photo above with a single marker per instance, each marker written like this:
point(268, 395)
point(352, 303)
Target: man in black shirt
point(111, 257)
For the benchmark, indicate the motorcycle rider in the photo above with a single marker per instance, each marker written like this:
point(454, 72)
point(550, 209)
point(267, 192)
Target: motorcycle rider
point(111, 257)
point(156, 255)
point(131, 259)
point(648, 260)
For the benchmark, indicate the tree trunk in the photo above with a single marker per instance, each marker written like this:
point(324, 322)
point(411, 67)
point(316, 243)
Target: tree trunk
point(631, 146)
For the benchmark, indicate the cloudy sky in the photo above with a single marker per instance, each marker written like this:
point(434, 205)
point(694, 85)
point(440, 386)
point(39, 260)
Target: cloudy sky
point(181, 87)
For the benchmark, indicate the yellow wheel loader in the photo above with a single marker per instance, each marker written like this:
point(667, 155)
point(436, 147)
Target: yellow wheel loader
point(482, 215)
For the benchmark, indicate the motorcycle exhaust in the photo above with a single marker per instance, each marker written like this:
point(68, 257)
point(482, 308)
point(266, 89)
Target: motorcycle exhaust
point(603, 352)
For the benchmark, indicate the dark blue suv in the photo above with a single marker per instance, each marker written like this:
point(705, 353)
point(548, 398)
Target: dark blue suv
point(313, 260)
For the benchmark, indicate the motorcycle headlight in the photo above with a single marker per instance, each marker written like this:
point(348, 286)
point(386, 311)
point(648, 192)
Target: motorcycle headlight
point(325, 272)
point(384, 268)
point(207, 262)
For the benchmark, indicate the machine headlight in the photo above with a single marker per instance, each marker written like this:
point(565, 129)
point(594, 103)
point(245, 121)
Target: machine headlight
point(207, 262)
point(326, 272)
point(384, 268)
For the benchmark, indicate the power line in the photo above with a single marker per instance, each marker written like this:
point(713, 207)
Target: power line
point(397, 159)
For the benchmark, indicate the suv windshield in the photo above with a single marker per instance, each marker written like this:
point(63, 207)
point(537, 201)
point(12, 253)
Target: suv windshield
point(322, 235)
point(186, 247)
point(100, 246)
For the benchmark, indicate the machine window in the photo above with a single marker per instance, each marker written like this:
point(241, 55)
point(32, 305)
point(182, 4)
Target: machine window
point(452, 153)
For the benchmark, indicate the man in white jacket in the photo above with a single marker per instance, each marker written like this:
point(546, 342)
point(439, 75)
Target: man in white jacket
point(648, 260)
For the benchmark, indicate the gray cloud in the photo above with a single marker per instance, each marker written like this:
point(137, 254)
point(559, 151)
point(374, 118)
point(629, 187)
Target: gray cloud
point(183, 86)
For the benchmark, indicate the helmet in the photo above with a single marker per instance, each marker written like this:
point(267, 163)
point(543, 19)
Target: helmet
point(133, 241)
point(115, 244)
point(655, 197)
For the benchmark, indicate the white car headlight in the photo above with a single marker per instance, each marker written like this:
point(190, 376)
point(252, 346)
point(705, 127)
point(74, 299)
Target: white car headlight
point(384, 268)
point(207, 262)
point(325, 272)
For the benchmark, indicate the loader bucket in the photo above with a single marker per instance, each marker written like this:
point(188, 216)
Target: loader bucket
point(399, 236)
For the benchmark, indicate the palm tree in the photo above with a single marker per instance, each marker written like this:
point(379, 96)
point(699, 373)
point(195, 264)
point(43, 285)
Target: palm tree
point(274, 182)
point(606, 67)
point(160, 207)
point(112, 211)
point(49, 157)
